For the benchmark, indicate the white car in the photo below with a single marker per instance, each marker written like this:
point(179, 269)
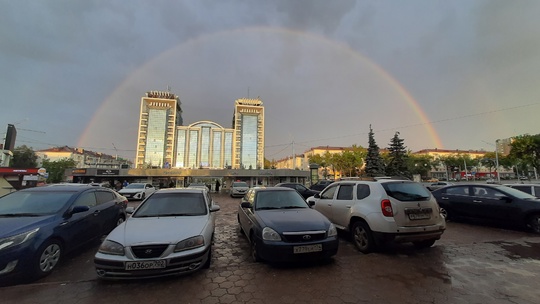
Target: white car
point(170, 233)
point(378, 211)
point(239, 189)
point(137, 191)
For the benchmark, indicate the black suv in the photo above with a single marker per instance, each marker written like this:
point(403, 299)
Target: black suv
point(305, 192)
point(320, 185)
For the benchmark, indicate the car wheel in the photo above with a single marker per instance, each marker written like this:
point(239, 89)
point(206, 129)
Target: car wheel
point(254, 249)
point(143, 196)
point(444, 213)
point(424, 244)
point(209, 260)
point(47, 258)
point(119, 221)
point(534, 223)
point(362, 237)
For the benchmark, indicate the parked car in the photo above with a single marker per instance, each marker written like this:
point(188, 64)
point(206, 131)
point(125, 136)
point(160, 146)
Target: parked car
point(381, 210)
point(170, 233)
point(38, 226)
point(198, 185)
point(281, 227)
point(532, 189)
point(303, 190)
point(239, 189)
point(320, 185)
point(495, 203)
point(137, 191)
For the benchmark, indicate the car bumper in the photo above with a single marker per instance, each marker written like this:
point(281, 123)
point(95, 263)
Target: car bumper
point(113, 267)
point(16, 263)
point(410, 234)
point(284, 252)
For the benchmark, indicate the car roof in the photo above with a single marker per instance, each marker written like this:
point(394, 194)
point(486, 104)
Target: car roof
point(181, 190)
point(519, 184)
point(273, 189)
point(62, 188)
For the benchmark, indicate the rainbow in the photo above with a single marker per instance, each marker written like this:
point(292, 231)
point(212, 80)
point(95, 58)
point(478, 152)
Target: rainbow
point(147, 68)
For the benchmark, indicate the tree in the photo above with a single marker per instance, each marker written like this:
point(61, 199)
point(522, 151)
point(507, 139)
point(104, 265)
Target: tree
point(374, 162)
point(420, 164)
point(24, 157)
point(397, 158)
point(525, 151)
point(57, 168)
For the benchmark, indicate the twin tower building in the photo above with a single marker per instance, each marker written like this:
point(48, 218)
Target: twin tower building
point(165, 142)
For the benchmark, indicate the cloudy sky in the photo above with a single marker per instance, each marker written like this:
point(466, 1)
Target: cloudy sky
point(445, 74)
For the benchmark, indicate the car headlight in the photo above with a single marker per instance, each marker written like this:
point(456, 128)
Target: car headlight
point(110, 247)
point(270, 234)
point(332, 231)
point(194, 242)
point(17, 239)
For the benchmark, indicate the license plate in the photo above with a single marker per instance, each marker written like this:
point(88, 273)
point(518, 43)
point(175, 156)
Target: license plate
point(419, 216)
point(307, 248)
point(157, 264)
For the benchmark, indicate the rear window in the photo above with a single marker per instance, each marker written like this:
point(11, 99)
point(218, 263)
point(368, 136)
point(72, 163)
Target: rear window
point(240, 184)
point(406, 191)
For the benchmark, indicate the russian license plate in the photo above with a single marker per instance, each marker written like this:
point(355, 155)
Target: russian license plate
point(307, 248)
point(419, 216)
point(157, 264)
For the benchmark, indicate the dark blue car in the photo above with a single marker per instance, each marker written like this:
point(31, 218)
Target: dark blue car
point(281, 227)
point(39, 225)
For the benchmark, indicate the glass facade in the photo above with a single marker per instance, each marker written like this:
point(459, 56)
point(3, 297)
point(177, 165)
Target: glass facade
point(248, 152)
point(193, 149)
point(216, 149)
point(180, 148)
point(205, 147)
point(156, 136)
point(227, 155)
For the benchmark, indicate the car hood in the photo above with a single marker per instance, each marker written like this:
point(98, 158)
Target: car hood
point(158, 229)
point(121, 191)
point(293, 220)
point(10, 226)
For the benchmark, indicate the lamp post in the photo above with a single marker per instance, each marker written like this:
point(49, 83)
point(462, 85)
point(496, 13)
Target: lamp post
point(497, 161)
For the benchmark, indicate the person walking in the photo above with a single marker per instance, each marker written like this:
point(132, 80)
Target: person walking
point(217, 185)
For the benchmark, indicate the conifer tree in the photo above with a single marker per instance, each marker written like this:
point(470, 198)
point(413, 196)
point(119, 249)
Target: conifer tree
point(397, 157)
point(374, 162)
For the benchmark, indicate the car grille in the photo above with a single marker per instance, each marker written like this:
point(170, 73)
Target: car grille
point(148, 251)
point(305, 236)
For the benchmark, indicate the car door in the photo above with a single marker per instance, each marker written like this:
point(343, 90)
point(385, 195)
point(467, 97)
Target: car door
point(245, 214)
point(81, 227)
point(107, 210)
point(343, 202)
point(492, 204)
point(456, 200)
point(326, 200)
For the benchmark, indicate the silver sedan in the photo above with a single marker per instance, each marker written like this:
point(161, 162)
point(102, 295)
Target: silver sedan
point(169, 233)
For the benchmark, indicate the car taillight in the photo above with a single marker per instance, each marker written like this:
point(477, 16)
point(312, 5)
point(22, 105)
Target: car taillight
point(386, 208)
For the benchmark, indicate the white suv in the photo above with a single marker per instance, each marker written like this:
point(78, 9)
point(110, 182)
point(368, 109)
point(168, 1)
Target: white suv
point(378, 211)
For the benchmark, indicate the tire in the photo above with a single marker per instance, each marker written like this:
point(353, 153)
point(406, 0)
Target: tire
point(533, 223)
point(444, 213)
point(143, 196)
point(362, 237)
point(120, 220)
point(207, 263)
point(254, 250)
point(47, 258)
point(424, 244)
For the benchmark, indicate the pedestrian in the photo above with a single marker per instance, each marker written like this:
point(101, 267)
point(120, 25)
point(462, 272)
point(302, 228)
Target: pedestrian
point(125, 184)
point(217, 185)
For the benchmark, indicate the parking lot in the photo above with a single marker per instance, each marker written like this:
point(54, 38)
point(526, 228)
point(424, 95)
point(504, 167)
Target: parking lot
point(470, 264)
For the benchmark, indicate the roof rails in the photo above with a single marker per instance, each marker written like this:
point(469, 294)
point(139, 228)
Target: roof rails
point(373, 178)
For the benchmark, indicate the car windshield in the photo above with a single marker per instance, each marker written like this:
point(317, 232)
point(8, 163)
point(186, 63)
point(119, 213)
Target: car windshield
point(172, 204)
point(240, 184)
point(134, 186)
point(33, 203)
point(265, 200)
point(406, 191)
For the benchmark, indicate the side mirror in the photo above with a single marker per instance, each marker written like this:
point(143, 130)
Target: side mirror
point(317, 195)
point(79, 209)
point(214, 208)
point(130, 210)
point(311, 203)
point(246, 205)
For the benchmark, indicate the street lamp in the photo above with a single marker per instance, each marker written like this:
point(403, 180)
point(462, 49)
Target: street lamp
point(497, 161)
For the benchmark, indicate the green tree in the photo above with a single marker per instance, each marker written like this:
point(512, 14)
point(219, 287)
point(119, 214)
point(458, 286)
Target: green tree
point(374, 162)
point(57, 168)
point(397, 158)
point(420, 164)
point(525, 151)
point(24, 157)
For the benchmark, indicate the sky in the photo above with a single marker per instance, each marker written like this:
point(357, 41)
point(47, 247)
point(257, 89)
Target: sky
point(444, 74)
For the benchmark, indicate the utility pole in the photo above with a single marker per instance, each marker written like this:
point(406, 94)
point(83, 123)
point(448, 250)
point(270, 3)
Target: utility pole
point(497, 161)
